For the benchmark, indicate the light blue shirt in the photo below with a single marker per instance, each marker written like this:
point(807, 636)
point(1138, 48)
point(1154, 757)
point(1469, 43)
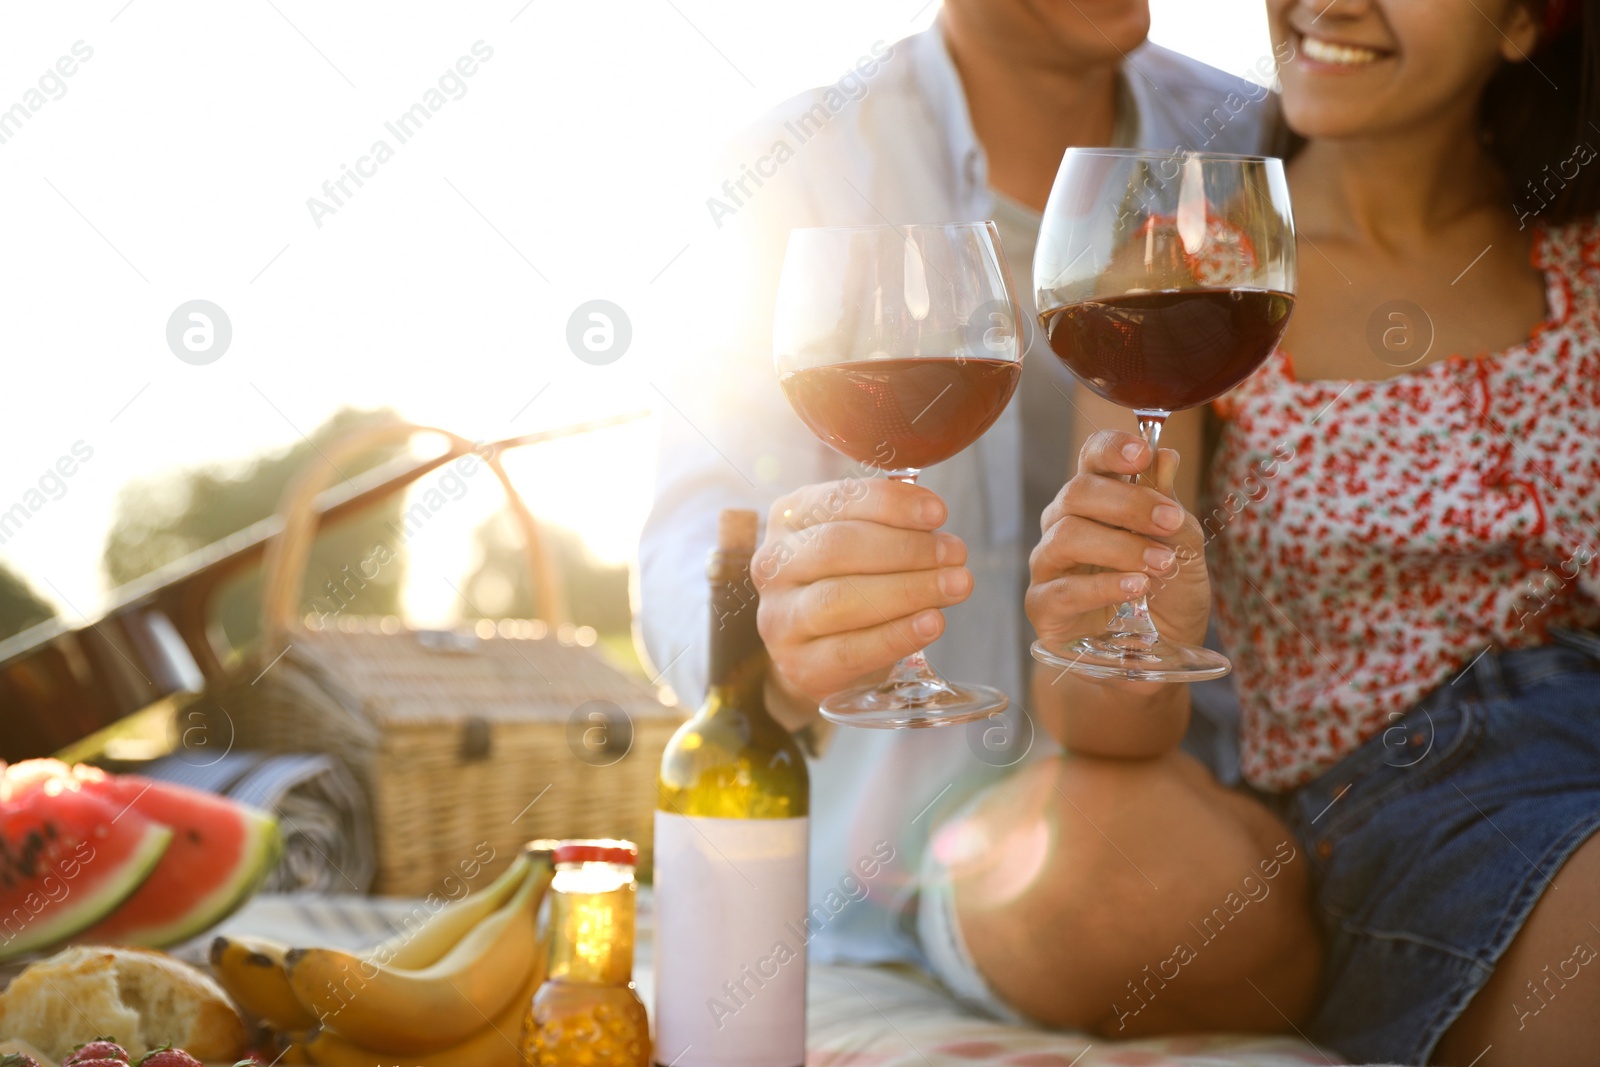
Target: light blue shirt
point(892, 143)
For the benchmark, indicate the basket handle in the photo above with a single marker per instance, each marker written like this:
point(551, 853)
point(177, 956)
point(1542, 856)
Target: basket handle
point(289, 552)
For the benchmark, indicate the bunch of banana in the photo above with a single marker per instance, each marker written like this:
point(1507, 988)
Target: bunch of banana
point(251, 970)
point(452, 992)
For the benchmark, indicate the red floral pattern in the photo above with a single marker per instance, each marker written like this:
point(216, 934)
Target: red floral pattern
point(1374, 537)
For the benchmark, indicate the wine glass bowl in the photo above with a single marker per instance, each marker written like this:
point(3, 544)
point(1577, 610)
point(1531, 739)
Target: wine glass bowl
point(1164, 279)
point(897, 346)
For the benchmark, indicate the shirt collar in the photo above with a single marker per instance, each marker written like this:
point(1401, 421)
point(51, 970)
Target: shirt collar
point(1125, 134)
point(936, 73)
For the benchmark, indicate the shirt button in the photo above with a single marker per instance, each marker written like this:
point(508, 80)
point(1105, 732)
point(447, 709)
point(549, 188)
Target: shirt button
point(1324, 849)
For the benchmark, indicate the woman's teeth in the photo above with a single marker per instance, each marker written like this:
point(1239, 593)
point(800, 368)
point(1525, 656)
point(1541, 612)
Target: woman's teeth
point(1341, 55)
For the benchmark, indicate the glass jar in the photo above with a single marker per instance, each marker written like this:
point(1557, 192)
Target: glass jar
point(587, 1014)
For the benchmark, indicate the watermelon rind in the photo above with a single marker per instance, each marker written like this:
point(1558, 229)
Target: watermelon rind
point(266, 850)
point(260, 858)
point(90, 907)
point(149, 914)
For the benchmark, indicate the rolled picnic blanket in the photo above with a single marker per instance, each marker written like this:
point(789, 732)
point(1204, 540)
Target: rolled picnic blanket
point(322, 813)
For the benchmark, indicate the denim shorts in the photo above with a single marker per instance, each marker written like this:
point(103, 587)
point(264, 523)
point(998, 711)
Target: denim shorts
point(1430, 844)
point(937, 932)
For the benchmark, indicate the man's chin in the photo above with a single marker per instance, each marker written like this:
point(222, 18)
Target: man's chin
point(1085, 31)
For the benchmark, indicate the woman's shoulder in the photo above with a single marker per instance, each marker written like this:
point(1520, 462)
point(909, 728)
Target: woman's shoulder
point(1568, 247)
point(1569, 255)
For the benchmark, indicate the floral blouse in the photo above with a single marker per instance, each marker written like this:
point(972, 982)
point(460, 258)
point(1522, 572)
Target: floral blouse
point(1368, 540)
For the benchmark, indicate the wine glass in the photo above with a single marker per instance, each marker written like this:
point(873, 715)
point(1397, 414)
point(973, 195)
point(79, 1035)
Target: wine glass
point(897, 346)
point(1164, 279)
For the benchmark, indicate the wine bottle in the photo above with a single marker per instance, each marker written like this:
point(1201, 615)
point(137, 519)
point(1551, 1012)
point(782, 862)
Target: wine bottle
point(731, 836)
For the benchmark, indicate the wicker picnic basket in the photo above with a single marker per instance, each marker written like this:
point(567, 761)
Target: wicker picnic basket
point(464, 741)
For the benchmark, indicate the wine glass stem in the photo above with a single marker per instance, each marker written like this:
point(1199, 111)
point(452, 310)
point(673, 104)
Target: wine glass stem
point(913, 674)
point(1133, 616)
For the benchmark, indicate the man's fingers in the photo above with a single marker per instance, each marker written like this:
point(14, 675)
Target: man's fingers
point(879, 500)
point(823, 666)
point(852, 547)
point(839, 605)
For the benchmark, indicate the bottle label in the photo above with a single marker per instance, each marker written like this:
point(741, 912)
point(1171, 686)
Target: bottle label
point(730, 941)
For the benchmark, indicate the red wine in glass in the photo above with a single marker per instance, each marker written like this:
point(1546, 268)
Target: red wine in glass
point(1167, 351)
point(897, 346)
point(902, 412)
point(1164, 279)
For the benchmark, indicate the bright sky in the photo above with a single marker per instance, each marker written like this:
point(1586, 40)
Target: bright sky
point(175, 162)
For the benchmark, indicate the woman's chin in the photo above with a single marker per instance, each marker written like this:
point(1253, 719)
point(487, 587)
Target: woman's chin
point(1327, 120)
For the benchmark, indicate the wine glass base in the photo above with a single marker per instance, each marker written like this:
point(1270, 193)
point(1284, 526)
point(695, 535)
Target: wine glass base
point(912, 704)
point(1135, 657)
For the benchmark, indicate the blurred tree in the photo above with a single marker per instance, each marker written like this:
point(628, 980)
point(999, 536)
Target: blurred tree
point(20, 606)
point(163, 520)
point(500, 587)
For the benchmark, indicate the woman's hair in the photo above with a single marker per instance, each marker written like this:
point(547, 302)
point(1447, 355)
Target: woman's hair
point(1541, 116)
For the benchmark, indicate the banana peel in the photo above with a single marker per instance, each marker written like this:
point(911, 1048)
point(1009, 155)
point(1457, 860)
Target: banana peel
point(251, 969)
point(388, 1009)
point(428, 943)
point(497, 1044)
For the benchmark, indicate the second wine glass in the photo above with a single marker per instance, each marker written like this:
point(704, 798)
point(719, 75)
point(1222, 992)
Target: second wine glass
point(1164, 279)
point(897, 346)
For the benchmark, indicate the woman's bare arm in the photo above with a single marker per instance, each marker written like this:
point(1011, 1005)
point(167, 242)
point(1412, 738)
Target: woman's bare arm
point(1096, 524)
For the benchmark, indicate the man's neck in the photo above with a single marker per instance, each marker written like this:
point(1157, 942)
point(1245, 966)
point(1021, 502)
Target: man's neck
point(1027, 114)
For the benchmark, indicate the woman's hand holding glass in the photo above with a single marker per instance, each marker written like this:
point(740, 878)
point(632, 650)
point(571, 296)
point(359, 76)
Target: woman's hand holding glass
point(1107, 539)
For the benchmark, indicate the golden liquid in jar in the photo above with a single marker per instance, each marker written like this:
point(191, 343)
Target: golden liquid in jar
point(587, 1013)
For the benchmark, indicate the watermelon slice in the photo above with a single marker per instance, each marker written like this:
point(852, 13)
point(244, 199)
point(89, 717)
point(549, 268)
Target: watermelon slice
point(220, 852)
point(68, 858)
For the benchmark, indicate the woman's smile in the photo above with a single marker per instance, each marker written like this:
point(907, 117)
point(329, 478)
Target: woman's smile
point(1323, 54)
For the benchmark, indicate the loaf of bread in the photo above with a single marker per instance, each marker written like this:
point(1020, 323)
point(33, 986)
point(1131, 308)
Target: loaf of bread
point(140, 998)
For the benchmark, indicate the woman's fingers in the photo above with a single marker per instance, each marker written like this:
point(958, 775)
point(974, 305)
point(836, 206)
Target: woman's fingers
point(1106, 539)
point(1115, 453)
point(1079, 542)
point(1101, 495)
point(1116, 502)
point(1167, 460)
point(1056, 607)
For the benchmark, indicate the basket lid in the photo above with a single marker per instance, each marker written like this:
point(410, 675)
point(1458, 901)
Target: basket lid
point(416, 678)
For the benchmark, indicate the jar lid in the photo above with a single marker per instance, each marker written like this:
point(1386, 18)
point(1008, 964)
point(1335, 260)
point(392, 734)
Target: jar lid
point(603, 850)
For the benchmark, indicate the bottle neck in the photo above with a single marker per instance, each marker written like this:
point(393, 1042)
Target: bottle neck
point(593, 936)
point(738, 658)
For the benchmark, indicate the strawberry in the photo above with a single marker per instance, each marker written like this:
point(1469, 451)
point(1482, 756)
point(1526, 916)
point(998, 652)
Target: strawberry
point(167, 1056)
point(101, 1048)
point(17, 1059)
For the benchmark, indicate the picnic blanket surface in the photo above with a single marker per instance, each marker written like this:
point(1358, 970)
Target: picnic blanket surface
point(857, 1016)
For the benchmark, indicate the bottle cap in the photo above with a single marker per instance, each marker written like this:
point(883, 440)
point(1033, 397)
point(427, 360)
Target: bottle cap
point(603, 850)
point(736, 530)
